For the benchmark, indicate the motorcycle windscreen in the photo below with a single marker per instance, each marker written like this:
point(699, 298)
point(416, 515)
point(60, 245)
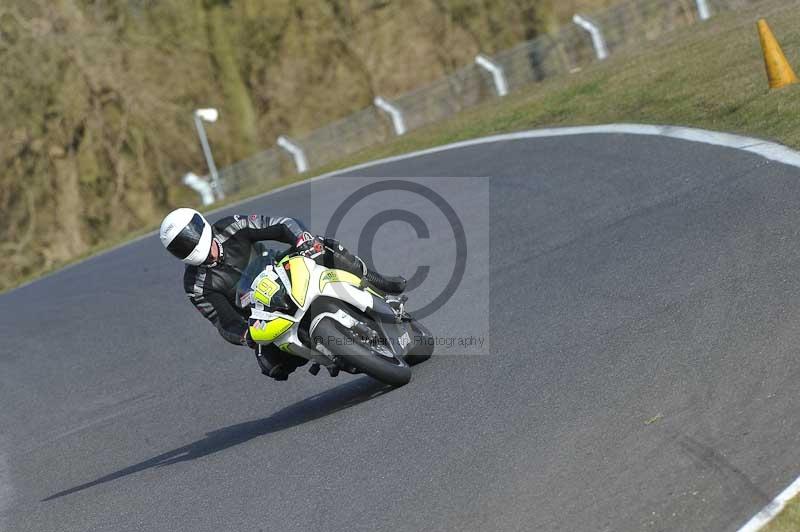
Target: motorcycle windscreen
point(244, 288)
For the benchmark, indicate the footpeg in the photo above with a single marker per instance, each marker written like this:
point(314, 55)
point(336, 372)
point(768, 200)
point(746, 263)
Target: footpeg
point(363, 330)
point(314, 369)
point(398, 303)
point(333, 370)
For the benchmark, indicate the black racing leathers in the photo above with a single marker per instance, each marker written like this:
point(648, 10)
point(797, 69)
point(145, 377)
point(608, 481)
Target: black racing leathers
point(212, 289)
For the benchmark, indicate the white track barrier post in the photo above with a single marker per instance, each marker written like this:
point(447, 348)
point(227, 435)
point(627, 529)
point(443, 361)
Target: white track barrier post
point(598, 41)
point(496, 71)
point(394, 112)
point(297, 153)
point(201, 186)
point(703, 10)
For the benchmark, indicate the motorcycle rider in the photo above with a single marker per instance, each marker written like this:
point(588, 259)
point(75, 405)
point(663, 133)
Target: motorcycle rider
point(216, 255)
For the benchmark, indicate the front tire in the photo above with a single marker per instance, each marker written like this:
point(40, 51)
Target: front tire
point(352, 353)
point(423, 348)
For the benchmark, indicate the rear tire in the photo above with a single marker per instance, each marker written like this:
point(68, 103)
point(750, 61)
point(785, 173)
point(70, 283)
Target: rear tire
point(359, 356)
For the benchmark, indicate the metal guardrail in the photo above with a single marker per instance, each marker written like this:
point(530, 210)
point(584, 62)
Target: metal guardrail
point(572, 48)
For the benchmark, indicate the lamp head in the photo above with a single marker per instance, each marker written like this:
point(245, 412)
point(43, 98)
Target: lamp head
point(209, 114)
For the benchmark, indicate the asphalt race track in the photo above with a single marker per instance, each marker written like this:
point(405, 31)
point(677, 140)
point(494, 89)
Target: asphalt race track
point(643, 372)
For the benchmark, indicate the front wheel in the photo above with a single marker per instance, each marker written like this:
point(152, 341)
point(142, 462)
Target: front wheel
point(423, 344)
point(331, 335)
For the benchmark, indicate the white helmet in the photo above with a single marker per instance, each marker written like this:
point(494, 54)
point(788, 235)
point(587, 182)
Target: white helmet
point(187, 235)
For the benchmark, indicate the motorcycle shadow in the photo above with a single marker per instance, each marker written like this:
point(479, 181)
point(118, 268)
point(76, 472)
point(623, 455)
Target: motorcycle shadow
point(317, 406)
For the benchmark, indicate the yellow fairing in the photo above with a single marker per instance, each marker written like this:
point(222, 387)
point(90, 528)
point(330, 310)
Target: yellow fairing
point(265, 290)
point(337, 276)
point(267, 331)
point(300, 277)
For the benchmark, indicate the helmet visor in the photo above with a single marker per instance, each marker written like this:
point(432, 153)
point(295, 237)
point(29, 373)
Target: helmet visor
point(185, 242)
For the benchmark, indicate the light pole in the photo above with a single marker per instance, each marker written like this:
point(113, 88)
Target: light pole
point(702, 10)
point(209, 115)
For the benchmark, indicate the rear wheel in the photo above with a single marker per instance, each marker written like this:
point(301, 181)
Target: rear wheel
point(353, 353)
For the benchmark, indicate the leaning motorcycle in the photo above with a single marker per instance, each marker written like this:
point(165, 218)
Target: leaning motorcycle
point(332, 318)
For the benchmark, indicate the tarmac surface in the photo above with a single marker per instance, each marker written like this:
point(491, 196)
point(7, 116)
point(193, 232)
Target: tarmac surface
point(640, 302)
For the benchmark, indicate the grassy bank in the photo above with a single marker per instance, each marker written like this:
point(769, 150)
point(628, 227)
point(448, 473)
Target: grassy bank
point(786, 521)
point(97, 97)
point(709, 75)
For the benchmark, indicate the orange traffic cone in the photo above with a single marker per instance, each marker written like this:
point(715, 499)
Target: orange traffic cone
point(779, 71)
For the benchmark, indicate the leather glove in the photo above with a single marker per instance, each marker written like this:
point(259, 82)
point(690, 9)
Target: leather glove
point(309, 246)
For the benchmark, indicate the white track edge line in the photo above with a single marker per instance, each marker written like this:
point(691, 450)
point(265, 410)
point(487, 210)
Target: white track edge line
point(769, 150)
point(771, 510)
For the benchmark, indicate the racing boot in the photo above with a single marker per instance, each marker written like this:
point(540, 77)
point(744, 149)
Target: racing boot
point(387, 283)
point(338, 257)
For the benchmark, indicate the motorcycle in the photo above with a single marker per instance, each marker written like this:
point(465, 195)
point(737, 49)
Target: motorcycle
point(332, 318)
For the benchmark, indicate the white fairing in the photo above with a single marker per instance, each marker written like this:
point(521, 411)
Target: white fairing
point(355, 296)
point(341, 316)
point(289, 340)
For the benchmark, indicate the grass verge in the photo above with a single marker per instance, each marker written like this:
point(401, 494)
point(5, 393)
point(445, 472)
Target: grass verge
point(786, 521)
point(710, 75)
